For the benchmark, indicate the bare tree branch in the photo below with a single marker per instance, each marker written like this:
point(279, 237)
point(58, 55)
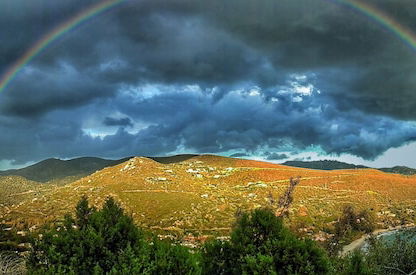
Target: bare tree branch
point(11, 264)
point(395, 268)
point(286, 199)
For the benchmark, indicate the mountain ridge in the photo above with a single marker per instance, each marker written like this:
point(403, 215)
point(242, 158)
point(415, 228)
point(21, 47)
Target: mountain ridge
point(324, 165)
point(56, 169)
point(338, 165)
point(65, 171)
point(404, 170)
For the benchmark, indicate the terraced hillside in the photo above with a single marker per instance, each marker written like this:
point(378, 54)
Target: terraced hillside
point(201, 195)
point(16, 189)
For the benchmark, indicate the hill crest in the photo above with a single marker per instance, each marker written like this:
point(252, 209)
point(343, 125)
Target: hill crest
point(56, 169)
point(324, 165)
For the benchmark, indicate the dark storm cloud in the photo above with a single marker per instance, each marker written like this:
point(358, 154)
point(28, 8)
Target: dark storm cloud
point(41, 91)
point(217, 43)
point(365, 75)
point(250, 122)
point(110, 121)
point(23, 23)
point(190, 119)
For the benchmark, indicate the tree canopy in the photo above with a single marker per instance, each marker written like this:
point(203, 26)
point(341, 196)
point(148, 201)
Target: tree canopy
point(105, 241)
point(261, 244)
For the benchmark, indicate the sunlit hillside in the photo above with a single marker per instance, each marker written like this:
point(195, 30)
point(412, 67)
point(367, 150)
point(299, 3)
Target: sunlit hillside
point(16, 189)
point(201, 195)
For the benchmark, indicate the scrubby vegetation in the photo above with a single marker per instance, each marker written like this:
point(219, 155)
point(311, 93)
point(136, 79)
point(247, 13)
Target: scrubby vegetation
point(106, 241)
point(12, 240)
point(351, 223)
point(396, 256)
point(13, 244)
point(11, 263)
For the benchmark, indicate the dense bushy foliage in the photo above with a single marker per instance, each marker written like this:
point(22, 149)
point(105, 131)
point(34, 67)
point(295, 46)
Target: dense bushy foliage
point(260, 244)
point(105, 241)
point(352, 264)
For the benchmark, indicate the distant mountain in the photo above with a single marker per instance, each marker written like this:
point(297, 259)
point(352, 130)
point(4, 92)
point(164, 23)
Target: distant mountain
point(334, 165)
point(173, 159)
point(399, 170)
point(56, 169)
point(323, 165)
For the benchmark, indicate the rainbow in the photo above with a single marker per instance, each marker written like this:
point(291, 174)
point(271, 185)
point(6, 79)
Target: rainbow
point(378, 16)
point(402, 32)
point(53, 35)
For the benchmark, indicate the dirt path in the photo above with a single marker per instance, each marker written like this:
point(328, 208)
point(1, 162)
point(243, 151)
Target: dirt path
point(361, 241)
point(157, 191)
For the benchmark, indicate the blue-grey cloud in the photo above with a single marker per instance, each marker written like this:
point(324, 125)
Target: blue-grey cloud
point(276, 156)
point(110, 121)
point(206, 76)
point(237, 122)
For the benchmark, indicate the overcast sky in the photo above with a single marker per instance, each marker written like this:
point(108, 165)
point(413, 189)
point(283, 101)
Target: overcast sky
point(267, 79)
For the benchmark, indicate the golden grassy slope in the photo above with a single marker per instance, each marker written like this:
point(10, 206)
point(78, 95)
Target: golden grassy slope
point(202, 194)
point(16, 189)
